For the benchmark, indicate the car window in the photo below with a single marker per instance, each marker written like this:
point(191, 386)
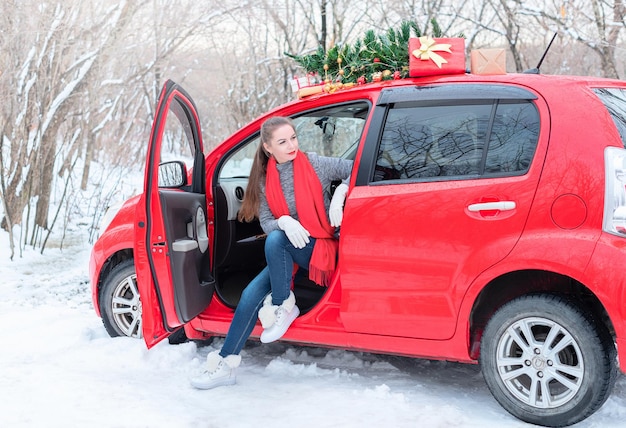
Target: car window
point(178, 142)
point(239, 162)
point(332, 131)
point(615, 101)
point(513, 139)
point(421, 142)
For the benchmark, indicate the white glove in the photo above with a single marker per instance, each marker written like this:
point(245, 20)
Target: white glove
point(297, 234)
point(335, 211)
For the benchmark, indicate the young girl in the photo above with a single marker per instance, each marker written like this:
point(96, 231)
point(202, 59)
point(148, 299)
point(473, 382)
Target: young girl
point(286, 192)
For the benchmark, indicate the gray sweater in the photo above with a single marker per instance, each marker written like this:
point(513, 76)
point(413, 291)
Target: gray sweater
point(327, 170)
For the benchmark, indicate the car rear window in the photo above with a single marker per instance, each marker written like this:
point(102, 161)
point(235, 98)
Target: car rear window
point(473, 140)
point(615, 101)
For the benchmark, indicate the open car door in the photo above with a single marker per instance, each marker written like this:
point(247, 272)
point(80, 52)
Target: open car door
point(172, 257)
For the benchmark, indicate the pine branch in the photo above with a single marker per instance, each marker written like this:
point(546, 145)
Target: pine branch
point(372, 57)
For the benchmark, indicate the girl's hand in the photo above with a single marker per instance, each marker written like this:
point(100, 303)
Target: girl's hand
point(296, 233)
point(335, 211)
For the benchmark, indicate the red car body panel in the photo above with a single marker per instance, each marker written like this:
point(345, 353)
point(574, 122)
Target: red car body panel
point(415, 293)
point(117, 238)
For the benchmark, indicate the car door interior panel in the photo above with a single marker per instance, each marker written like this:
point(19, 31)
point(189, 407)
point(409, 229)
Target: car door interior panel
point(191, 276)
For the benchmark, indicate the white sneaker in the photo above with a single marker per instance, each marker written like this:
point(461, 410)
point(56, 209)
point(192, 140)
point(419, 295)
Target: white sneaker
point(219, 371)
point(284, 315)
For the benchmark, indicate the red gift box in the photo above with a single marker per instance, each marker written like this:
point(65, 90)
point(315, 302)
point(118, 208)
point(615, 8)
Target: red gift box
point(428, 56)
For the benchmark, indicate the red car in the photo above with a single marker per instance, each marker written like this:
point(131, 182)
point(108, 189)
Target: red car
point(485, 222)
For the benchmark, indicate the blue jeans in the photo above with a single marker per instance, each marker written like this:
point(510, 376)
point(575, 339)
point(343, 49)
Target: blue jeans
point(280, 256)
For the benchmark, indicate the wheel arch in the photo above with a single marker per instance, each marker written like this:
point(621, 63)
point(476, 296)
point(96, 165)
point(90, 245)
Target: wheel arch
point(512, 285)
point(108, 265)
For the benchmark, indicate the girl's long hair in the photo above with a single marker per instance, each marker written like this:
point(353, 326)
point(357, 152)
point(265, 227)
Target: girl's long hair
point(251, 200)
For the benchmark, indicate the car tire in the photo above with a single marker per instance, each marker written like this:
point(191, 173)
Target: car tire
point(120, 305)
point(546, 361)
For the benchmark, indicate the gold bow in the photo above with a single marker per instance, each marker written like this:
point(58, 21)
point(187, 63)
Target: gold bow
point(428, 50)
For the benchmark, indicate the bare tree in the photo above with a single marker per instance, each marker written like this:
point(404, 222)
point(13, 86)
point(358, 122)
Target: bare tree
point(46, 91)
point(599, 31)
point(79, 80)
point(69, 92)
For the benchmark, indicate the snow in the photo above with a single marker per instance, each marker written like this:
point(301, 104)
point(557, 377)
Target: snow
point(59, 368)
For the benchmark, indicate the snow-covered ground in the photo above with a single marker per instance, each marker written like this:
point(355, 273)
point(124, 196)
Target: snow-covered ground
point(58, 368)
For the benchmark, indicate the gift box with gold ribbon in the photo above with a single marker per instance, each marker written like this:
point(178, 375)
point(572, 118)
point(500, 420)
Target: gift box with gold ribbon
point(429, 56)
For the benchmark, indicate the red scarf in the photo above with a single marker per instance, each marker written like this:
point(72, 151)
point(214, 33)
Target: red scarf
point(311, 213)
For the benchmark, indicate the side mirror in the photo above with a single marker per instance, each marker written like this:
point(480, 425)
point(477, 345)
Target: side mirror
point(172, 174)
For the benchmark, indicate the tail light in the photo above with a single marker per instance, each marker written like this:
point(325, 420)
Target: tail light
point(615, 191)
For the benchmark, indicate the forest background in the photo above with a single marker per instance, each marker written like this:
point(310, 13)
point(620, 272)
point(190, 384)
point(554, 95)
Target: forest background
point(79, 79)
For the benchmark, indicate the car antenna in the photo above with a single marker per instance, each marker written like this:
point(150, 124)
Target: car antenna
point(536, 69)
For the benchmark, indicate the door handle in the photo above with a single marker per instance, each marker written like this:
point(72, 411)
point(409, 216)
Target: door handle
point(202, 237)
point(196, 232)
point(492, 206)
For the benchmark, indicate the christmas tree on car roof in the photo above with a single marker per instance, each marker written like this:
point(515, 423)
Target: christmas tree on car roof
point(371, 58)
